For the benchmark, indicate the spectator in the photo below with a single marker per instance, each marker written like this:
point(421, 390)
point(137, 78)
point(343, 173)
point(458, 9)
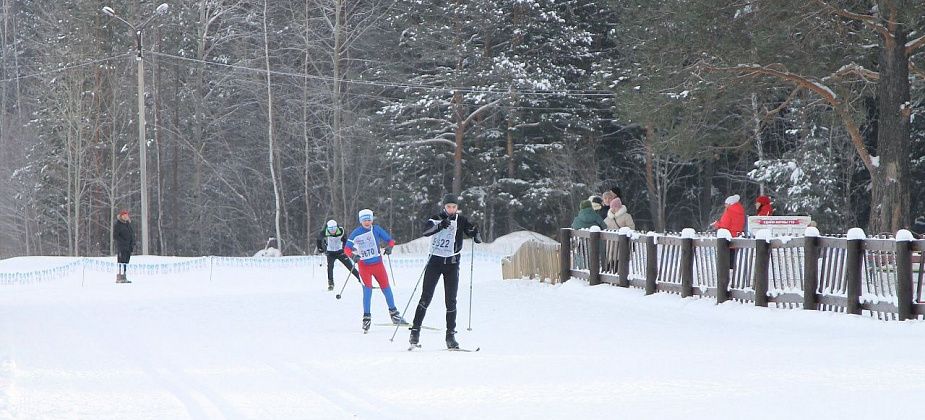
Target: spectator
point(733, 220)
point(607, 197)
point(124, 236)
point(587, 217)
point(763, 204)
point(618, 216)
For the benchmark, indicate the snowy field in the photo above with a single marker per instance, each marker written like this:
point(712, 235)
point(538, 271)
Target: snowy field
point(275, 344)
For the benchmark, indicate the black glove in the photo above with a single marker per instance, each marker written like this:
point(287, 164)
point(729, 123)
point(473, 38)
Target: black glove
point(388, 250)
point(355, 258)
point(478, 237)
point(445, 223)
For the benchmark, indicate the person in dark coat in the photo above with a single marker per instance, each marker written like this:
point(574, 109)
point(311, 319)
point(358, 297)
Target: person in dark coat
point(331, 241)
point(446, 231)
point(587, 217)
point(124, 236)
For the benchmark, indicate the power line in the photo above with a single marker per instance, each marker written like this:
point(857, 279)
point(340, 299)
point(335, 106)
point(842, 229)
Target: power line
point(563, 92)
point(58, 70)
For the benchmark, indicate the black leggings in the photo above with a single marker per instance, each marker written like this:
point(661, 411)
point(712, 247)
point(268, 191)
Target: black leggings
point(432, 273)
point(339, 256)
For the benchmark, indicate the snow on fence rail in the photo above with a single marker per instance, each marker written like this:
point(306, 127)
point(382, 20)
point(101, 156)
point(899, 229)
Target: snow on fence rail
point(853, 274)
point(203, 264)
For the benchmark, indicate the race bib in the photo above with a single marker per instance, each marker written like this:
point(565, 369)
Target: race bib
point(366, 246)
point(335, 244)
point(443, 244)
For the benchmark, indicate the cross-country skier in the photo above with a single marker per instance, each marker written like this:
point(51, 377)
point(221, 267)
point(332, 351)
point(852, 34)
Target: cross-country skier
point(363, 248)
point(446, 231)
point(331, 241)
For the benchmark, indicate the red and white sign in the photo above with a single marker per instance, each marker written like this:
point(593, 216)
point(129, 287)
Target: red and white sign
point(779, 225)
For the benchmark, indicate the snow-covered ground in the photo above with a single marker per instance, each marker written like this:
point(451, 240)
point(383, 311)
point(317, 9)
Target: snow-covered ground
point(256, 343)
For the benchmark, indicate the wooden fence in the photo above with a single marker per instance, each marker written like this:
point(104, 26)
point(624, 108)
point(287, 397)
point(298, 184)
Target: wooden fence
point(878, 277)
point(534, 260)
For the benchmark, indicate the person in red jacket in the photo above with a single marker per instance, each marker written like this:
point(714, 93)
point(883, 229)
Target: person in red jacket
point(733, 218)
point(763, 203)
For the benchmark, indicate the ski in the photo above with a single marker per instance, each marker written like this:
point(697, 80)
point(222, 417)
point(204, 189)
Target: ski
point(465, 350)
point(423, 327)
point(417, 346)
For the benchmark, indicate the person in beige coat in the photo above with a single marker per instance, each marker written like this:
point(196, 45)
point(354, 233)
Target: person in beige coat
point(618, 216)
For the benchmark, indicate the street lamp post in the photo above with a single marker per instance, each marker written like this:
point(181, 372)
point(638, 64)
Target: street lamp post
point(142, 143)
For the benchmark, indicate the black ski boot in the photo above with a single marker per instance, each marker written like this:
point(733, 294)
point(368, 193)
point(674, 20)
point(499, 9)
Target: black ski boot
point(396, 317)
point(451, 340)
point(367, 321)
point(330, 286)
point(415, 336)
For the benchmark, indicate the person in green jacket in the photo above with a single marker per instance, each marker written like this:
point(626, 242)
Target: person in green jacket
point(587, 217)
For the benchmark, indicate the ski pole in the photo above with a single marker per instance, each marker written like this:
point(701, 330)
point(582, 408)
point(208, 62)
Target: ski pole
point(410, 299)
point(346, 281)
point(391, 273)
point(471, 269)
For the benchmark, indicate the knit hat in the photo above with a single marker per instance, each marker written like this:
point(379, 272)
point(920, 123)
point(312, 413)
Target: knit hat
point(585, 204)
point(732, 199)
point(615, 204)
point(332, 224)
point(366, 214)
point(450, 199)
point(763, 200)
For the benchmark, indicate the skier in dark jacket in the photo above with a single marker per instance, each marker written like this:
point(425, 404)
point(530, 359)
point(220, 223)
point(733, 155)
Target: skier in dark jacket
point(331, 241)
point(124, 237)
point(446, 230)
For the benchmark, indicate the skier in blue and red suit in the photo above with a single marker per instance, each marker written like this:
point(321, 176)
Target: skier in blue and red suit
point(363, 248)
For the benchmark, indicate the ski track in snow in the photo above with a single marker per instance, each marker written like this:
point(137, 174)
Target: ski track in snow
point(258, 344)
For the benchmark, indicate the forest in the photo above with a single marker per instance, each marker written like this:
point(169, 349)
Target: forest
point(267, 118)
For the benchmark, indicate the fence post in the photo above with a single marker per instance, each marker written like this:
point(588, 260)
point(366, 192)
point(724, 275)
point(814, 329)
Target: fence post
point(762, 260)
point(594, 258)
point(565, 254)
point(651, 265)
point(722, 269)
point(810, 269)
point(687, 267)
point(904, 274)
point(623, 259)
point(853, 261)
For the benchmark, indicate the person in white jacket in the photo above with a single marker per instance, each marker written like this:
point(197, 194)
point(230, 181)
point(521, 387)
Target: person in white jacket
point(618, 216)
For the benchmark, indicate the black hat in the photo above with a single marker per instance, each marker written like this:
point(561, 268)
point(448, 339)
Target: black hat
point(617, 192)
point(450, 199)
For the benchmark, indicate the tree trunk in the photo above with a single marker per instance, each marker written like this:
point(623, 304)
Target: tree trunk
point(459, 134)
point(272, 149)
point(654, 201)
point(890, 181)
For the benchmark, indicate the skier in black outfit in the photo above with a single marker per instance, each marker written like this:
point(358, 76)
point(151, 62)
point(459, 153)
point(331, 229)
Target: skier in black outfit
point(446, 231)
point(124, 236)
point(331, 241)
